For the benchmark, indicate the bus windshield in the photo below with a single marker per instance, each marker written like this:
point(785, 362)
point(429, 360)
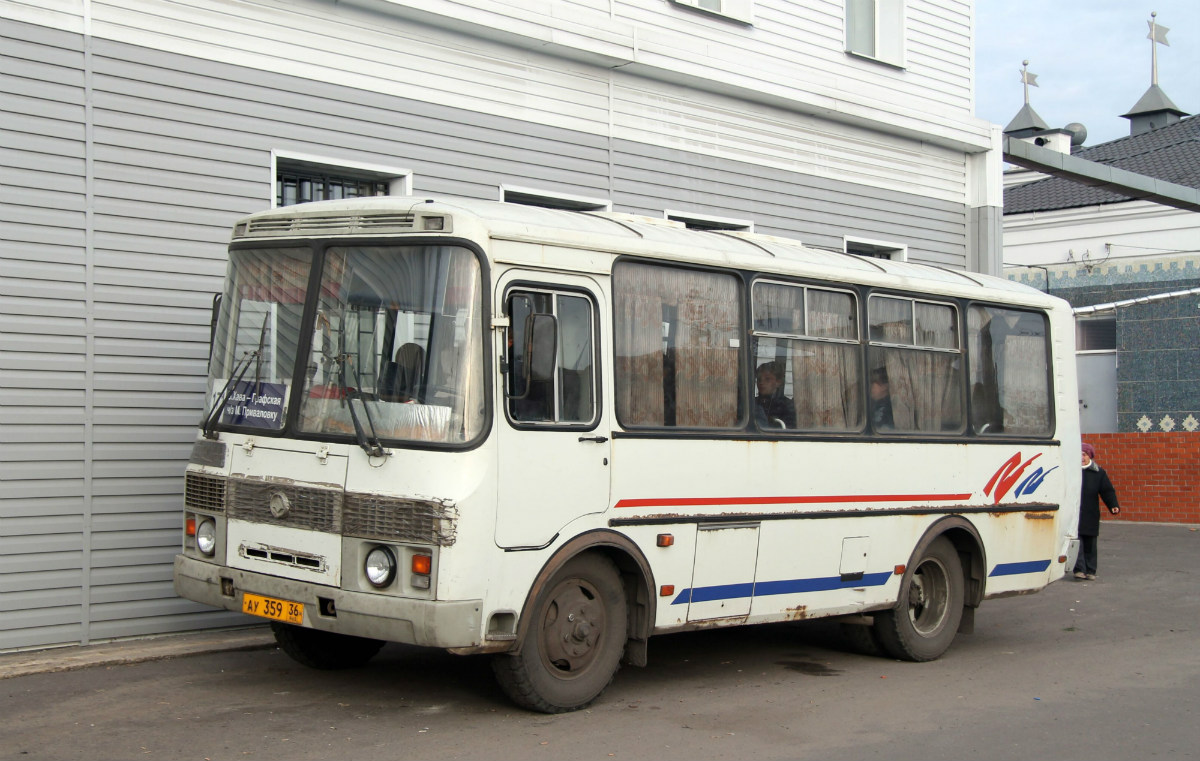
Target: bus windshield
point(396, 347)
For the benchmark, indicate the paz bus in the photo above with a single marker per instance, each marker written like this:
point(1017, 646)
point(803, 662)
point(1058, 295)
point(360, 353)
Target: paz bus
point(549, 435)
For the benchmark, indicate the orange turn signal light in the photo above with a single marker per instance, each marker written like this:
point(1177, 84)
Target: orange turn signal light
point(666, 590)
point(900, 569)
point(422, 564)
point(1062, 558)
point(665, 540)
point(191, 527)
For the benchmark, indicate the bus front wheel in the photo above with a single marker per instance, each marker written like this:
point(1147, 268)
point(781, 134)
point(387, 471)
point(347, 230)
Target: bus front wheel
point(926, 617)
point(573, 644)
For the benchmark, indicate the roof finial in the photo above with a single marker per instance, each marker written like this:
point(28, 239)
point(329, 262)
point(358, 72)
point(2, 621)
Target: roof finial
point(1027, 79)
point(1158, 34)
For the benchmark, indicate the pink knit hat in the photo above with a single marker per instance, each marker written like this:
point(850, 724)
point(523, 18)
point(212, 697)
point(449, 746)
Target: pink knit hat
point(1089, 450)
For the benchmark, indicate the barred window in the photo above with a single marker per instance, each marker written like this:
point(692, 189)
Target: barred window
point(293, 187)
point(301, 178)
point(1096, 333)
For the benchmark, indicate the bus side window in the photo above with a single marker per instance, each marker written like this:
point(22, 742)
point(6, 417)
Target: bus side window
point(677, 347)
point(809, 336)
point(914, 365)
point(1010, 374)
point(551, 358)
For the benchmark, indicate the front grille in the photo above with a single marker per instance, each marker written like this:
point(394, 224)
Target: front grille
point(201, 492)
point(393, 519)
point(370, 516)
point(308, 507)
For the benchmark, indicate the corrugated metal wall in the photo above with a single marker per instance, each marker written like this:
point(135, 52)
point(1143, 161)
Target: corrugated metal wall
point(45, 458)
point(123, 169)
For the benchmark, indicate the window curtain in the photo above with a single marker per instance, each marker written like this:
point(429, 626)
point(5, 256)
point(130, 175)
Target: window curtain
point(638, 303)
point(826, 382)
point(706, 361)
point(703, 327)
point(465, 298)
point(924, 385)
point(1023, 385)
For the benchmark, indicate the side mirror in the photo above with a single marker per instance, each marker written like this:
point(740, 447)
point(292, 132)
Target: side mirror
point(212, 324)
point(539, 354)
point(541, 346)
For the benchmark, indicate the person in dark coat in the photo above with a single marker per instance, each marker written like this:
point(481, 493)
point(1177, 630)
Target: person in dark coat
point(772, 409)
point(1095, 487)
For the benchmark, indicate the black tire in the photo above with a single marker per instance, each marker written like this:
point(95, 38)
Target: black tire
point(573, 644)
point(926, 617)
point(862, 639)
point(324, 650)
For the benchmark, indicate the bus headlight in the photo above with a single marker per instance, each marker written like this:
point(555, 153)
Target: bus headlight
point(380, 567)
point(206, 536)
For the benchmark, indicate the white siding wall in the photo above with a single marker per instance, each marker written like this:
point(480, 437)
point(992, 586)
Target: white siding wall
point(132, 138)
point(798, 48)
point(792, 58)
point(1099, 233)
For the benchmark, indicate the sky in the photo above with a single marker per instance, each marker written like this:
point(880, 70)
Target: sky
point(1091, 58)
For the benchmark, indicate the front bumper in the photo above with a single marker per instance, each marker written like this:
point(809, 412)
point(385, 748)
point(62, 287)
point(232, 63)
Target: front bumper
point(429, 623)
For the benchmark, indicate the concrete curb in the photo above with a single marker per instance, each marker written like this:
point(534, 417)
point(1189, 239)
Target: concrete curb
point(157, 648)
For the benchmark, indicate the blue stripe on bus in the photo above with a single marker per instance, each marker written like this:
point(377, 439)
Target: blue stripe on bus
point(784, 587)
point(1013, 569)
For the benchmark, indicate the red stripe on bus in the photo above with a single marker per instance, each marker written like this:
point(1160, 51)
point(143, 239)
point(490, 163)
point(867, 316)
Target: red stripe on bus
point(838, 498)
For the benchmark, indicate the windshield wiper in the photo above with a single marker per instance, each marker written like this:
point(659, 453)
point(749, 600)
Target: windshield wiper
point(210, 421)
point(369, 445)
point(239, 371)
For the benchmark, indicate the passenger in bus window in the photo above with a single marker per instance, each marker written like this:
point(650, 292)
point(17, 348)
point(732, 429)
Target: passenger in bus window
point(771, 408)
point(881, 400)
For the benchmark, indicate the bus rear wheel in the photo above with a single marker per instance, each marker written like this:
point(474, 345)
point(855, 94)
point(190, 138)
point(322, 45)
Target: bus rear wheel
point(926, 617)
point(324, 650)
point(573, 644)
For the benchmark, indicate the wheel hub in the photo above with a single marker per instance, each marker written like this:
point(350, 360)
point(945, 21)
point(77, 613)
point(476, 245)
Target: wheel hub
point(926, 597)
point(571, 627)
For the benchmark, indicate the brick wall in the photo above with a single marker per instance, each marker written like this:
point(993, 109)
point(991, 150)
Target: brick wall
point(1155, 474)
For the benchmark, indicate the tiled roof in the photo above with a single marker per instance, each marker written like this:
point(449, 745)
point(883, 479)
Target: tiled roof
point(1170, 153)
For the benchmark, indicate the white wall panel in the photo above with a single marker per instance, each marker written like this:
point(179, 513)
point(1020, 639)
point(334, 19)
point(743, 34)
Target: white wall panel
point(115, 228)
point(373, 53)
point(58, 14)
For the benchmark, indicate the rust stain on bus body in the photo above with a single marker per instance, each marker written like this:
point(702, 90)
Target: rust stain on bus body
point(798, 613)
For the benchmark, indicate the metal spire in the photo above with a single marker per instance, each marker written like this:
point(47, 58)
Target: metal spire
point(1158, 34)
point(1027, 79)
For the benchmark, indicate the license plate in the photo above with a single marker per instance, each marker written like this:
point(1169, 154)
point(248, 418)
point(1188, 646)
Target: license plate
point(268, 607)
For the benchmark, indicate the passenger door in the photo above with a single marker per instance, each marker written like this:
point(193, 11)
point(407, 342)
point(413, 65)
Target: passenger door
point(553, 430)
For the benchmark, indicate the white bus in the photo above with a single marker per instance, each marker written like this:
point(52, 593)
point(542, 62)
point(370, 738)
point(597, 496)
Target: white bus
point(548, 435)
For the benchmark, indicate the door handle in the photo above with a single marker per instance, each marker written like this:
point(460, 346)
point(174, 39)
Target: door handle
point(597, 439)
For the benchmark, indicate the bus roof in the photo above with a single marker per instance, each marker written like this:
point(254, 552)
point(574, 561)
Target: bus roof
point(619, 233)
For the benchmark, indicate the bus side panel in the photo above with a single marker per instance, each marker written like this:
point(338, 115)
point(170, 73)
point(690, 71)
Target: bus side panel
point(835, 518)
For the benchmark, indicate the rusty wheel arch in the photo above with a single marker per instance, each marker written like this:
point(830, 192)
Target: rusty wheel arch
point(965, 538)
point(636, 576)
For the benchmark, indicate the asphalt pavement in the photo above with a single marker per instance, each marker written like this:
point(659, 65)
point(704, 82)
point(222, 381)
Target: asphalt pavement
point(259, 637)
point(1090, 670)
